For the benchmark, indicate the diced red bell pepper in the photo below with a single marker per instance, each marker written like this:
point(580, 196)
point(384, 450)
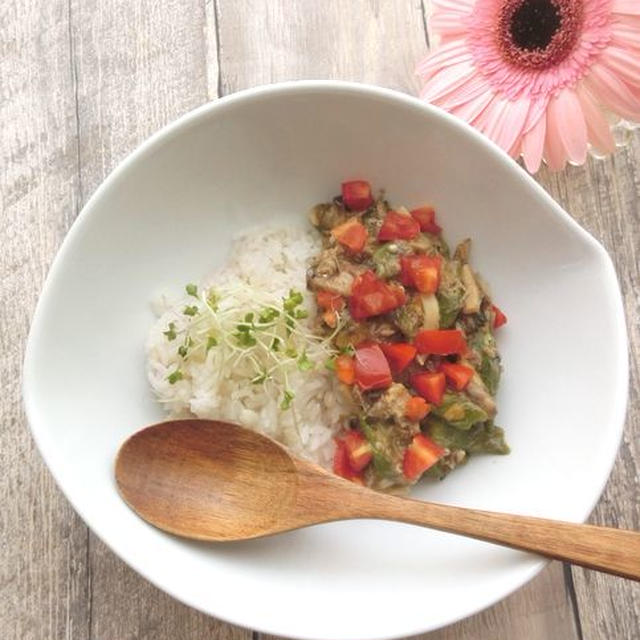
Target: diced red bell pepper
point(371, 296)
point(398, 226)
point(330, 301)
point(398, 293)
point(359, 451)
point(371, 368)
point(421, 272)
point(341, 466)
point(440, 342)
point(351, 234)
point(416, 409)
point(341, 459)
point(330, 319)
point(356, 195)
point(398, 354)
point(426, 217)
point(458, 374)
point(421, 454)
point(345, 369)
point(498, 317)
point(430, 385)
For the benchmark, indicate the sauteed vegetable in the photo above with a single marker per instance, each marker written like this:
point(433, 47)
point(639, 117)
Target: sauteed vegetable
point(414, 326)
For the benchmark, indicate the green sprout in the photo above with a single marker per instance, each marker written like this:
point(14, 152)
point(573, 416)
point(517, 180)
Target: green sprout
point(192, 290)
point(171, 331)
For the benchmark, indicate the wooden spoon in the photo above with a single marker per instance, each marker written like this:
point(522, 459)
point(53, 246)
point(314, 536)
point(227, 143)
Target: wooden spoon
point(217, 481)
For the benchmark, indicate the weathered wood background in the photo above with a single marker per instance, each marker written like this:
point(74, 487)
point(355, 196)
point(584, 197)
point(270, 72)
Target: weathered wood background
point(83, 82)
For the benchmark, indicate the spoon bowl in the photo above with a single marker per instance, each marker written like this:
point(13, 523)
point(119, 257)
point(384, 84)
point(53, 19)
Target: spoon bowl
point(211, 480)
point(202, 480)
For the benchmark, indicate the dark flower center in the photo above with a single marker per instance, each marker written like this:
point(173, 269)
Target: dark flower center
point(534, 23)
point(536, 34)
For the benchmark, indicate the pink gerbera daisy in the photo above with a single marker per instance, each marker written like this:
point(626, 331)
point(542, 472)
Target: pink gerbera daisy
point(539, 77)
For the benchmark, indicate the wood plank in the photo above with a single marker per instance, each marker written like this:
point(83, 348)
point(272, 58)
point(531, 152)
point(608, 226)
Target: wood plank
point(43, 568)
point(375, 41)
point(378, 42)
point(539, 611)
point(127, 607)
point(139, 66)
point(604, 197)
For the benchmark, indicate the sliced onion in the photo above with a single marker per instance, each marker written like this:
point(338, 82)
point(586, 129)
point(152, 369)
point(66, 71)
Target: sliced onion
point(430, 311)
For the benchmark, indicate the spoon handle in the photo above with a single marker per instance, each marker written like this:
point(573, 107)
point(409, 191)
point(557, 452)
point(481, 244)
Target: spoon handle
point(615, 551)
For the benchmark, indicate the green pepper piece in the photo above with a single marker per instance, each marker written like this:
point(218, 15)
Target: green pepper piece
point(459, 411)
point(450, 293)
point(409, 317)
point(483, 343)
point(490, 371)
point(484, 437)
point(379, 438)
point(386, 260)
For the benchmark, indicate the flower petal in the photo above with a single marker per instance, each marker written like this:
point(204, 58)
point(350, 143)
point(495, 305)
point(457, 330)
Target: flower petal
point(516, 148)
point(474, 108)
point(625, 35)
point(490, 114)
point(566, 121)
point(451, 53)
point(474, 87)
point(447, 81)
point(533, 145)
point(507, 128)
point(448, 25)
point(631, 7)
point(536, 112)
point(612, 92)
point(624, 63)
point(598, 129)
point(455, 6)
point(554, 153)
point(629, 20)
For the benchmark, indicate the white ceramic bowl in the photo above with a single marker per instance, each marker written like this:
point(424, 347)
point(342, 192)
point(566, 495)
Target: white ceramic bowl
point(165, 216)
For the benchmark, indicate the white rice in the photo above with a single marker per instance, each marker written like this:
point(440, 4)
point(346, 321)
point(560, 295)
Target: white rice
point(265, 265)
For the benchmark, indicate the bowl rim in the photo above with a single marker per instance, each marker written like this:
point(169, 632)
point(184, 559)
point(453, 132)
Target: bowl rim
point(300, 87)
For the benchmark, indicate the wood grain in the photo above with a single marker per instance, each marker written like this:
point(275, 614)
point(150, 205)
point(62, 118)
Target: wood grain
point(173, 473)
point(43, 560)
point(604, 197)
point(375, 41)
point(541, 610)
point(138, 66)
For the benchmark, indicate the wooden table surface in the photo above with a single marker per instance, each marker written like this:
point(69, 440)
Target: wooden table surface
point(82, 83)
